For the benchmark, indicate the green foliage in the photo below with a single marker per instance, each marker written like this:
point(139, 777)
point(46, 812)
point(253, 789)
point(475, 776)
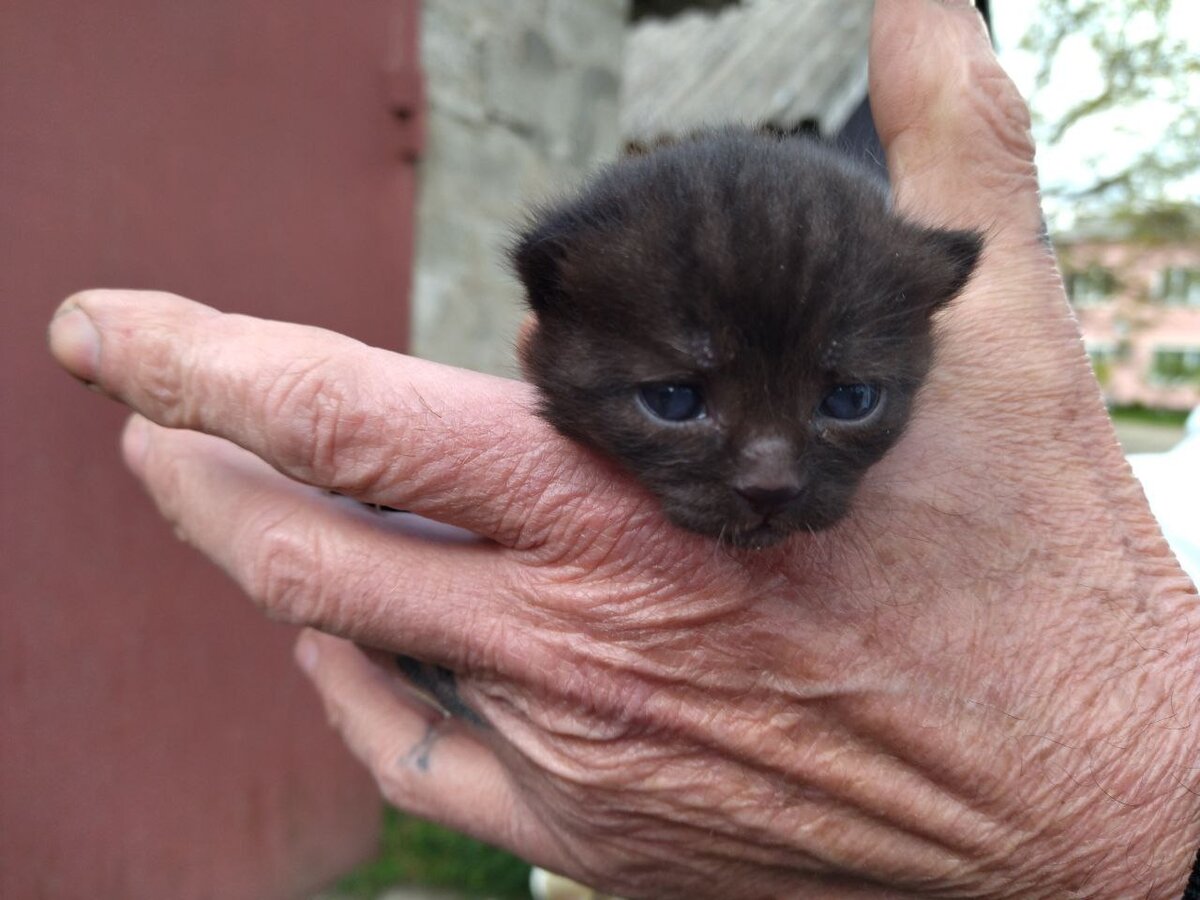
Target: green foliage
point(1149, 69)
point(1090, 284)
point(1177, 366)
point(1160, 222)
point(1141, 415)
point(414, 851)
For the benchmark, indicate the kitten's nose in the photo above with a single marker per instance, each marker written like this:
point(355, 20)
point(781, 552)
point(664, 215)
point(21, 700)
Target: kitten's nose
point(768, 479)
point(768, 499)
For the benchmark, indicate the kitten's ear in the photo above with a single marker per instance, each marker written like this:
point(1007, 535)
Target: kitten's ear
point(951, 260)
point(537, 258)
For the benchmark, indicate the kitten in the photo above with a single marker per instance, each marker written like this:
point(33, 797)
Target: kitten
point(739, 320)
point(742, 322)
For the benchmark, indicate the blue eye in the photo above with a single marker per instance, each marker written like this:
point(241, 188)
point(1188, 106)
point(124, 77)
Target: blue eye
point(850, 402)
point(673, 402)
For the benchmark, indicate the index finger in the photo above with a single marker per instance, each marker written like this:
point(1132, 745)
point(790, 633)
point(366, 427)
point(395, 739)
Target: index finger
point(330, 411)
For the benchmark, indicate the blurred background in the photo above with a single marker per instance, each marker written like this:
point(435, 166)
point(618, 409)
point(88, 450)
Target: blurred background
point(360, 167)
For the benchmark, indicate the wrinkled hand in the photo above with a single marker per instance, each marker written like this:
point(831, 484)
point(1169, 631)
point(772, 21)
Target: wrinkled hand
point(982, 684)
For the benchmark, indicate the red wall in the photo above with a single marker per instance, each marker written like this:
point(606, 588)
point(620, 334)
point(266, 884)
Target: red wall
point(155, 739)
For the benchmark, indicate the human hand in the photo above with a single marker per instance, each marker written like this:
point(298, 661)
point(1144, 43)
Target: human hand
point(979, 685)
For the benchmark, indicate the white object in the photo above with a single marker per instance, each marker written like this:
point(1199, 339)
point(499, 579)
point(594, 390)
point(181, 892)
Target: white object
point(1171, 481)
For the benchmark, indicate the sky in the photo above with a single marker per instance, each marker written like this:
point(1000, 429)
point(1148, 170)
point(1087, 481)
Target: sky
point(1102, 144)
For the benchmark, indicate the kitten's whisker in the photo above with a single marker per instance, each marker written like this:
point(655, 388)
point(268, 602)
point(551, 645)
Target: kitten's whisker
point(720, 537)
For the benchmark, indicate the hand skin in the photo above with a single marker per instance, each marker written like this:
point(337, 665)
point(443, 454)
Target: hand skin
point(981, 684)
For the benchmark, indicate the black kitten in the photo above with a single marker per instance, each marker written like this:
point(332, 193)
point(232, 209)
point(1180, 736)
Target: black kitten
point(739, 320)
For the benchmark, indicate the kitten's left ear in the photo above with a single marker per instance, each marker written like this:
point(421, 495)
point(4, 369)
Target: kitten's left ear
point(951, 258)
point(537, 259)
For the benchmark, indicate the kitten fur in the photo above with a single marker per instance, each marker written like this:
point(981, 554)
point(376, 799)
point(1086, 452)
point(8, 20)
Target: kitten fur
point(762, 271)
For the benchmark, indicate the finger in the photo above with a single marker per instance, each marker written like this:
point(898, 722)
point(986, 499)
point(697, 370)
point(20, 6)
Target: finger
point(953, 125)
point(424, 763)
point(956, 131)
point(329, 411)
point(312, 559)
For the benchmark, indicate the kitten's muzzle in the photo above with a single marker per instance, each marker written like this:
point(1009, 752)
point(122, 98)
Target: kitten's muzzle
point(768, 500)
point(767, 478)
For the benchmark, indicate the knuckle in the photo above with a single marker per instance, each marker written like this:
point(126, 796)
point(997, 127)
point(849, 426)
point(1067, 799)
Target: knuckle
point(380, 761)
point(318, 416)
point(166, 479)
point(996, 102)
point(170, 366)
point(283, 570)
point(159, 375)
point(401, 776)
point(388, 784)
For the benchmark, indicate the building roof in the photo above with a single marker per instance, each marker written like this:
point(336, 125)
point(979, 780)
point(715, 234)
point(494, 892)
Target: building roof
point(783, 63)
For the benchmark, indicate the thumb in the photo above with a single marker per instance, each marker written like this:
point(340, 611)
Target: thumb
point(955, 128)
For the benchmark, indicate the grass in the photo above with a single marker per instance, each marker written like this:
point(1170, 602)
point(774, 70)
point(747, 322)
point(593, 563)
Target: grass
point(413, 851)
point(1142, 416)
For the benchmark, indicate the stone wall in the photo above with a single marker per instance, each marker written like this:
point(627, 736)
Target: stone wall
point(522, 104)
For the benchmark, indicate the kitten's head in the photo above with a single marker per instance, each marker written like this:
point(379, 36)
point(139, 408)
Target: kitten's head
point(741, 321)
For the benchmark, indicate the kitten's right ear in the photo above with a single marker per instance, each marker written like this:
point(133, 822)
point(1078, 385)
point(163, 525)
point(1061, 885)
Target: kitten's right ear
point(955, 257)
point(538, 258)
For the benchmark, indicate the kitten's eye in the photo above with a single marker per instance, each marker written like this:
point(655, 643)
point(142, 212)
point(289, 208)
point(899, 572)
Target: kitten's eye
point(673, 402)
point(850, 402)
